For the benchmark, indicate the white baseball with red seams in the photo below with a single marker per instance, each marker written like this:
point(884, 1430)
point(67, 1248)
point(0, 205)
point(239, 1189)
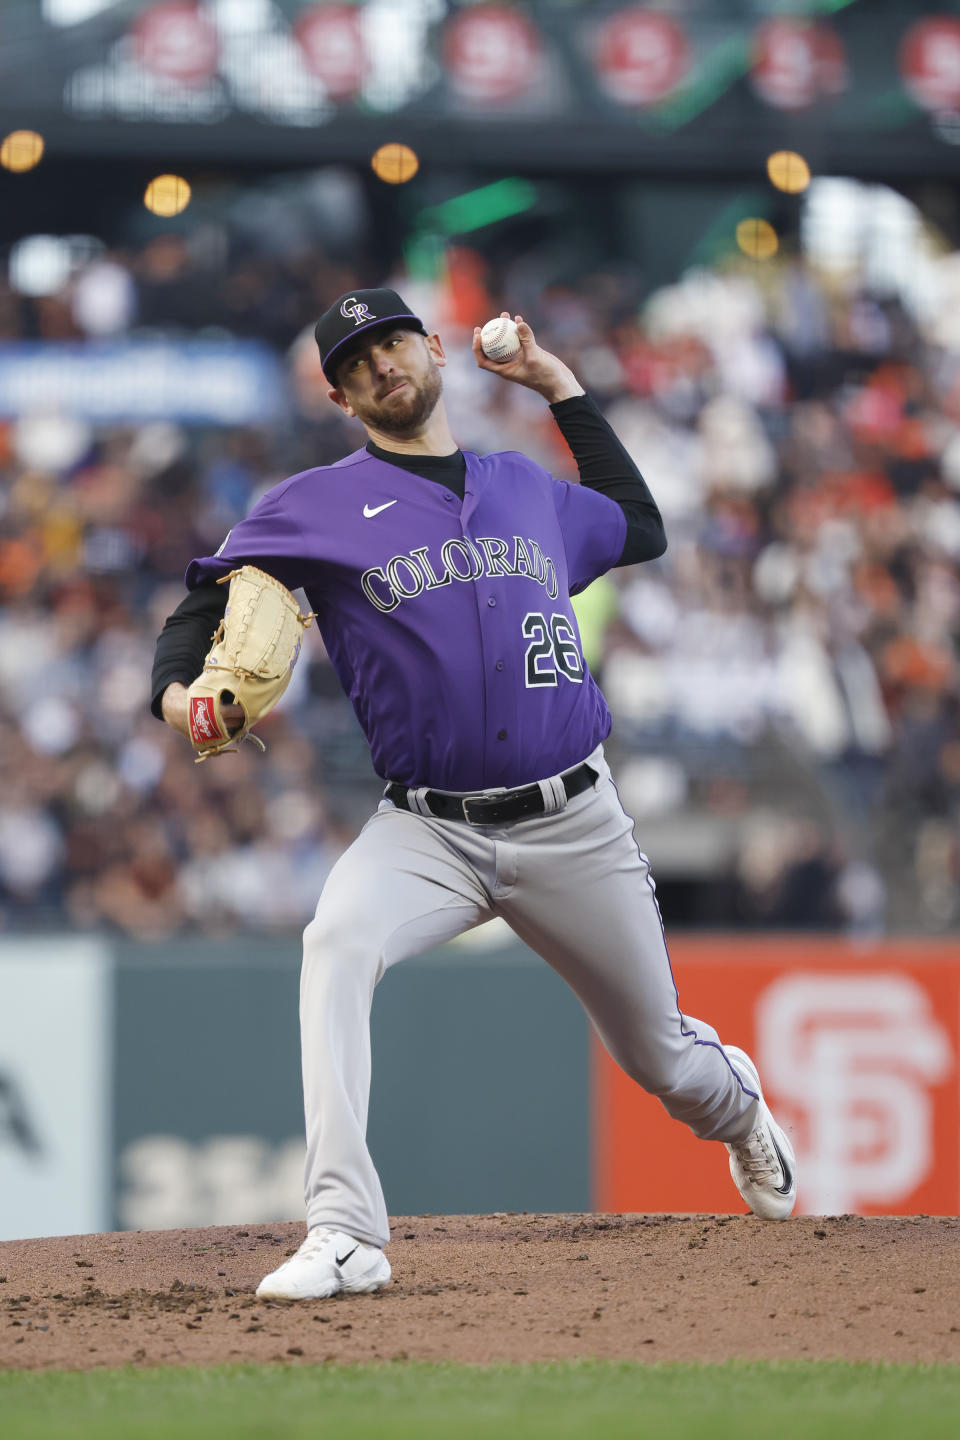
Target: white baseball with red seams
point(500, 339)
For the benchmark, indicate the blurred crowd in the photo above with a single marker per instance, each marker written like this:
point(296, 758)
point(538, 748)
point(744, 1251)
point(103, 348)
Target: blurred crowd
point(784, 681)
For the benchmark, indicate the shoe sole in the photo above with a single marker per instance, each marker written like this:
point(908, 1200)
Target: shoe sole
point(364, 1287)
point(360, 1285)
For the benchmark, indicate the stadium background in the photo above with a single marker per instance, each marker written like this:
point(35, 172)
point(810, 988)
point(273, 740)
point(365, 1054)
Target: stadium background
point(785, 368)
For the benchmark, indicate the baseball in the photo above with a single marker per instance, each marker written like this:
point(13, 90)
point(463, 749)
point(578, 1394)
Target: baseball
point(499, 339)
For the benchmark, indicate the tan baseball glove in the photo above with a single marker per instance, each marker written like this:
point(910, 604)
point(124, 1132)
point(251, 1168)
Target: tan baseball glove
point(249, 663)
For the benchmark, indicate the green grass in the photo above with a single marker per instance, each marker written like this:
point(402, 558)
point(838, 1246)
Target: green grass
point(446, 1402)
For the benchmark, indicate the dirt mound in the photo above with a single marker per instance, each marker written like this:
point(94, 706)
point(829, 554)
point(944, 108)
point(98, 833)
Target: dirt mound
point(498, 1288)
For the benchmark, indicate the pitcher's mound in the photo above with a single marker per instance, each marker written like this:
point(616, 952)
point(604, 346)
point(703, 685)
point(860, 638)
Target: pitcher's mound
point(485, 1288)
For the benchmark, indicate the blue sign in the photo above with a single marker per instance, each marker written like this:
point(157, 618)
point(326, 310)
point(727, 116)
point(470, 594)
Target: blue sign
point(214, 382)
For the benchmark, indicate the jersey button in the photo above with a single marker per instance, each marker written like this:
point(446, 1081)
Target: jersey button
point(447, 495)
point(499, 664)
point(492, 600)
point(501, 734)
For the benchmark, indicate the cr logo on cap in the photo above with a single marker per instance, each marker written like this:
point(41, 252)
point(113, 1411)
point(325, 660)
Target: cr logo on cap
point(354, 309)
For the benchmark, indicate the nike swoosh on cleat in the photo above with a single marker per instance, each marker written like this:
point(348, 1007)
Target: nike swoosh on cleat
point(342, 1259)
point(787, 1185)
point(370, 511)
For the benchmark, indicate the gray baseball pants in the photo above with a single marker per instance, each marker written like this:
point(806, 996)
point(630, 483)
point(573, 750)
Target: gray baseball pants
point(573, 885)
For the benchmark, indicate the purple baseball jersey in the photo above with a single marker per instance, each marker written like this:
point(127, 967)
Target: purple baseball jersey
point(449, 623)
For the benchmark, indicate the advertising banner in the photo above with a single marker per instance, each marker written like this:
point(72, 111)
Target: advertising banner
point(626, 86)
point(154, 1086)
point(237, 382)
point(857, 1050)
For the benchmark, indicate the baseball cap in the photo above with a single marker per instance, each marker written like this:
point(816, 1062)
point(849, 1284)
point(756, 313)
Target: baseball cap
point(353, 313)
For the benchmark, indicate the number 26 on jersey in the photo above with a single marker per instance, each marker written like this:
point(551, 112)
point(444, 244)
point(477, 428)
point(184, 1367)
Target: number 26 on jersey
point(552, 651)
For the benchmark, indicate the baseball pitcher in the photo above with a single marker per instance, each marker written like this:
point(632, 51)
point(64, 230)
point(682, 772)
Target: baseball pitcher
point(441, 583)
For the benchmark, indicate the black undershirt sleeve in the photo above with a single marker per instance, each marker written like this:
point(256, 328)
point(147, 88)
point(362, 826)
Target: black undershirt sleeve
point(185, 639)
point(604, 465)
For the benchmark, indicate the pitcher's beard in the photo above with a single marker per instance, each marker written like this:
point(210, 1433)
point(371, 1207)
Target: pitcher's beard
point(405, 417)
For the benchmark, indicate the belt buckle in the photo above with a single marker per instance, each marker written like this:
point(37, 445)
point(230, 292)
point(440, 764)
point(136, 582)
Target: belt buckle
point(491, 798)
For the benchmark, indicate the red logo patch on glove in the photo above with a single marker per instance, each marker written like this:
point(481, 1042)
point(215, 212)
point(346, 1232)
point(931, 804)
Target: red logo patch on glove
point(203, 720)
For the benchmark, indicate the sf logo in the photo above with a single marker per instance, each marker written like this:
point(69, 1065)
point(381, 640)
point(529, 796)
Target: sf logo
point(856, 1057)
point(355, 310)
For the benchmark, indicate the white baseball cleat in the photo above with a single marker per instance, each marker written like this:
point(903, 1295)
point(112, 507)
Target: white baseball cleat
point(763, 1166)
point(328, 1262)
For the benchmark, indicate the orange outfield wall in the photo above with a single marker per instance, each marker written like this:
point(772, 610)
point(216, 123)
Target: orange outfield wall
point(857, 1047)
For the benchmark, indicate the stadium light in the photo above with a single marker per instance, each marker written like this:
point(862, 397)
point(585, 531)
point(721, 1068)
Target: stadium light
point(395, 164)
point(757, 238)
point(167, 195)
point(21, 150)
point(788, 171)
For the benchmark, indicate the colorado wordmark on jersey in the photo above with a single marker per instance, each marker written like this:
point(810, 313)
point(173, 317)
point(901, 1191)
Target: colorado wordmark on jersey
point(406, 576)
point(448, 622)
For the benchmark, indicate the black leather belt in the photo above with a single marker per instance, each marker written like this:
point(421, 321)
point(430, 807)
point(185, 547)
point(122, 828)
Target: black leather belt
point(500, 809)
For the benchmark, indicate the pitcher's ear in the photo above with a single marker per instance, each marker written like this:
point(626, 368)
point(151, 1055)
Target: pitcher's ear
point(435, 346)
point(338, 398)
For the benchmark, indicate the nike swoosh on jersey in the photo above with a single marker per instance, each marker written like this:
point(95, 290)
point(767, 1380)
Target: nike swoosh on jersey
point(370, 511)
